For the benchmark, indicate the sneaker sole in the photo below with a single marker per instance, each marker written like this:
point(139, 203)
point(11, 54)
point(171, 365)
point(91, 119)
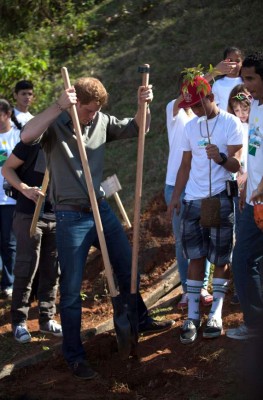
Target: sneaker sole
point(51, 333)
point(144, 333)
point(241, 337)
point(212, 335)
point(81, 378)
point(23, 341)
point(188, 341)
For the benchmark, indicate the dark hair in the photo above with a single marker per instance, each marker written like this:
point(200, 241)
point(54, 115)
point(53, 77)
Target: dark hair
point(23, 85)
point(6, 108)
point(255, 60)
point(232, 49)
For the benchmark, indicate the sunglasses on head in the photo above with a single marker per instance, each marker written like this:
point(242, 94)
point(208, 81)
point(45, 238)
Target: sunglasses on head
point(242, 96)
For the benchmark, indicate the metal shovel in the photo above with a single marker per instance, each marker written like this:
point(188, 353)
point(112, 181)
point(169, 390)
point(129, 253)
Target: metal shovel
point(120, 319)
point(111, 186)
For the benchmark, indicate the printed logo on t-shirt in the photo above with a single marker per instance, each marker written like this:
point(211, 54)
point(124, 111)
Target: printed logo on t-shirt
point(202, 143)
point(254, 139)
point(3, 156)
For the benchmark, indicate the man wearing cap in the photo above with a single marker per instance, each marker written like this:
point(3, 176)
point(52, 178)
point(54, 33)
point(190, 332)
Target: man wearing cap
point(211, 150)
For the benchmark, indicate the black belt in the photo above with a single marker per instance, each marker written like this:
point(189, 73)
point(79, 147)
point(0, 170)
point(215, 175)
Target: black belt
point(84, 209)
point(66, 207)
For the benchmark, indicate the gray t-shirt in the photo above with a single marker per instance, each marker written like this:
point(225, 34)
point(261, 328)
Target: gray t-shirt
point(67, 179)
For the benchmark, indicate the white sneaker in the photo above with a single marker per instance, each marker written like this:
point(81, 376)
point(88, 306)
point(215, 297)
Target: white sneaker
point(21, 333)
point(7, 293)
point(213, 328)
point(241, 333)
point(51, 327)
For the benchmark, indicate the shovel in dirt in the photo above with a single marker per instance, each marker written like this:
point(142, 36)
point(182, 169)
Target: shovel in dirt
point(120, 319)
point(132, 302)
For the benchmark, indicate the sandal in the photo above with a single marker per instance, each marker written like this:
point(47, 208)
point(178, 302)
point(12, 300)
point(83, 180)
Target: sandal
point(183, 303)
point(206, 298)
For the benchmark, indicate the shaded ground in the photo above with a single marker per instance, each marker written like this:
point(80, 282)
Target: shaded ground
point(165, 369)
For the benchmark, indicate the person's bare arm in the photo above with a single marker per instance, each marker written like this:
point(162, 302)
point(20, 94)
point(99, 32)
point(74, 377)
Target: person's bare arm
point(257, 195)
point(39, 124)
point(176, 109)
point(233, 156)
point(181, 180)
point(224, 67)
point(9, 172)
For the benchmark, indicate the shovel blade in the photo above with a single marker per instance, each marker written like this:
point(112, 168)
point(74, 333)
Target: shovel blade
point(134, 322)
point(122, 327)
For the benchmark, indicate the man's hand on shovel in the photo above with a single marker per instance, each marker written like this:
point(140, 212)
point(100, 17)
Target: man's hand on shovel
point(144, 96)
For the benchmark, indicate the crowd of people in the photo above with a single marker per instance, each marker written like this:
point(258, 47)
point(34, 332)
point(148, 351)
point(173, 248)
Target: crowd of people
point(214, 178)
point(219, 150)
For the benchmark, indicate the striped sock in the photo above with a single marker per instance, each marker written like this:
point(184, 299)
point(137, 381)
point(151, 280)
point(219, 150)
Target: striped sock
point(220, 287)
point(193, 292)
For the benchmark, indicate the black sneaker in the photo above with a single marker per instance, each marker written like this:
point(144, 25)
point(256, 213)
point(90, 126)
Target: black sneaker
point(82, 370)
point(188, 332)
point(154, 326)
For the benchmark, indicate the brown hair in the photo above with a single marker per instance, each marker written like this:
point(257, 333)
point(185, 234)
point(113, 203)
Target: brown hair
point(91, 89)
point(234, 97)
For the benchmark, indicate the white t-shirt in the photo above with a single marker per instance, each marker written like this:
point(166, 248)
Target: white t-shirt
point(222, 88)
point(175, 129)
point(23, 117)
point(8, 140)
point(245, 147)
point(255, 148)
point(243, 160)
point(226, 130)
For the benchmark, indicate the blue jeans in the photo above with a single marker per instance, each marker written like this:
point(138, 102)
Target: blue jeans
point(76, 233)
point(182, 262)
point(8, 245)
point(247, 253)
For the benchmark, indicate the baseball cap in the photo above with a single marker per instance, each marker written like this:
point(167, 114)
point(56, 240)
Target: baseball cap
point(194, 91)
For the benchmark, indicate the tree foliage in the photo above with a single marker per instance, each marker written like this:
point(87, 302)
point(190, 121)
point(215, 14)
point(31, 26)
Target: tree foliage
point(37, 37)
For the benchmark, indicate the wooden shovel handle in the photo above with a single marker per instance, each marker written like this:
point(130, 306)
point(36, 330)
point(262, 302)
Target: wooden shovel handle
point(138, 187)
point(91, 191)
point(122, 209)
point(39, 204)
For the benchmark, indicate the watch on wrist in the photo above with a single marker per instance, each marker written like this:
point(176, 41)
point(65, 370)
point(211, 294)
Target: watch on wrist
point(224, 159)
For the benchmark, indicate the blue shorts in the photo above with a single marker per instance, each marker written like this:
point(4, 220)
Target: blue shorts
point(213, 243)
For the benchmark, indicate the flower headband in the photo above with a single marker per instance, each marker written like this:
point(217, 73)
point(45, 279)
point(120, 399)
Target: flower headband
point(242, 96)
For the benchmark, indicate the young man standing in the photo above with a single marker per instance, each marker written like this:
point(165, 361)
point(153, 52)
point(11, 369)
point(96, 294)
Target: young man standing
point(210, 145)
point(249, 243)
point(76, 229)
point(23, 95)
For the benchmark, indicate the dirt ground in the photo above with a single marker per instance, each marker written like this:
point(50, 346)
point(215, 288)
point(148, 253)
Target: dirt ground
point(164, 370)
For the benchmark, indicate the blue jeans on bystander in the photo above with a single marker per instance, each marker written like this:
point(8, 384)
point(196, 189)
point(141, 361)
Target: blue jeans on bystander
point(247, 253)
